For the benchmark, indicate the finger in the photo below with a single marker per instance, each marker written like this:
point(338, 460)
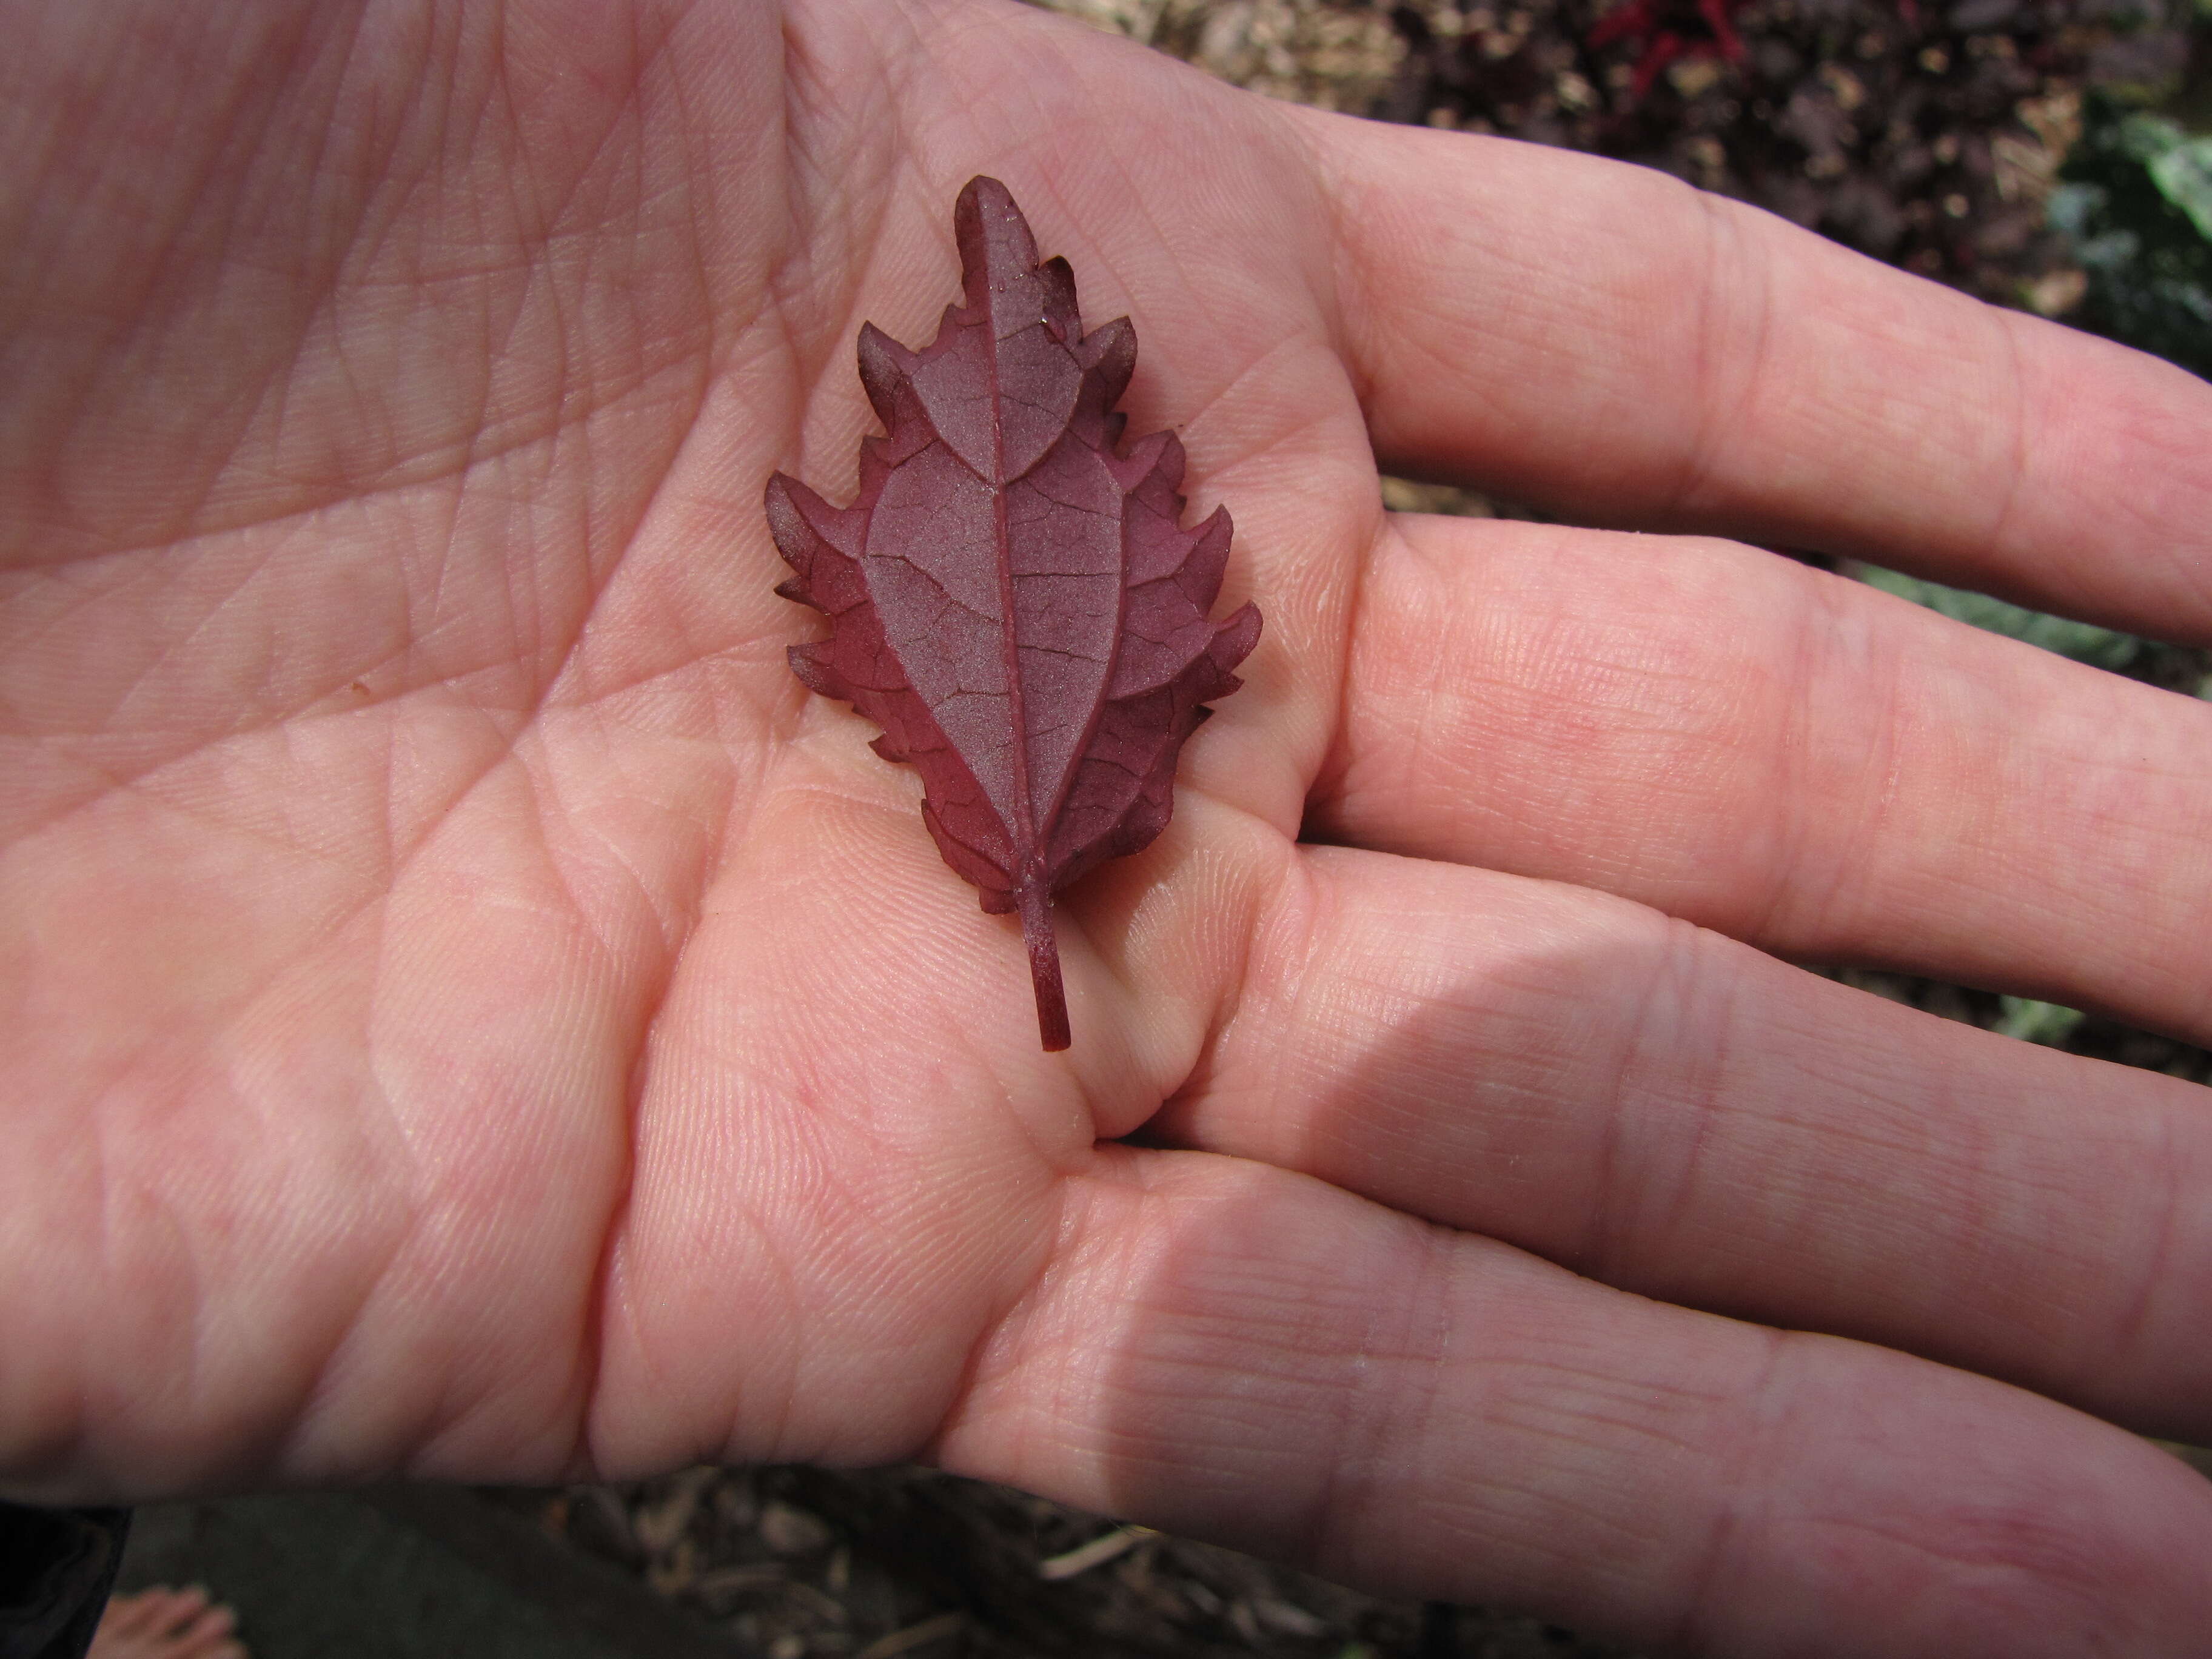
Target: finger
point(1797, 761)
point(127, 1614)
point(180, 1608)
point(1233, 1352)
point(1606, 340)
point(210, 1625)
point(1675, 1113)
point(207, 1635)
point(167, 1615)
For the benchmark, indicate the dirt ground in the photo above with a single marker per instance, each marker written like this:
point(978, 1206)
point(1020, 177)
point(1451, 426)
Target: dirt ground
point(870, 1564)
point(1922, 134)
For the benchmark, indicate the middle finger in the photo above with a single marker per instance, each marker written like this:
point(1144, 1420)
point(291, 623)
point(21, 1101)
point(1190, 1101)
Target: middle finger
point(1677, 1114)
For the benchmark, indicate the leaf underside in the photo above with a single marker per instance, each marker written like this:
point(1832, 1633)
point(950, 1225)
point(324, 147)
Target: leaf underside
point(1011, 597)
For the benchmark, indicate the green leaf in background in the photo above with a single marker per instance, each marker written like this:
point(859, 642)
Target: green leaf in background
point(2136, 202)
point(2037, 1021)
point(2141, 137)
point(2184, 176)
point(2084, 642)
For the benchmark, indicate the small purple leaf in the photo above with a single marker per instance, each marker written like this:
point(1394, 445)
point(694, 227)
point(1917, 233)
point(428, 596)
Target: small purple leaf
point(1011, 597)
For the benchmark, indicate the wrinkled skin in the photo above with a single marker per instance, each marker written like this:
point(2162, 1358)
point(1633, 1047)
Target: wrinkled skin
point(470, 1013)
point(167, 1624)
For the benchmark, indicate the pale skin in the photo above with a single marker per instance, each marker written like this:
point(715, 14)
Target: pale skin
point(471, 1014)
point(167, 1624)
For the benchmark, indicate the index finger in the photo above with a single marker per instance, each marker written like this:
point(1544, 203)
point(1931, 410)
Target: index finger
point(1606, 341)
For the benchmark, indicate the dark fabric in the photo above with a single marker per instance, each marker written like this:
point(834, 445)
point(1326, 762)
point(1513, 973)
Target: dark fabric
point(57, 1567)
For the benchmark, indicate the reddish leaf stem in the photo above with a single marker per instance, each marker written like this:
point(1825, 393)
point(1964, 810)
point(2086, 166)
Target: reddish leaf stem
point(1036, 902)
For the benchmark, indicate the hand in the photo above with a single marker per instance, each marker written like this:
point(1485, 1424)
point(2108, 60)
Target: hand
point(470, 1013)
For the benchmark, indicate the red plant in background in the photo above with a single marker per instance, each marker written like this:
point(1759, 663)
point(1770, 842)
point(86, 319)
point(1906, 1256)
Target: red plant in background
point(1658, 25)
point(1653, 22)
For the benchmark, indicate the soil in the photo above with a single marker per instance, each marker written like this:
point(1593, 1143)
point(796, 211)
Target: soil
point(1925, 135)
point(794, 1562)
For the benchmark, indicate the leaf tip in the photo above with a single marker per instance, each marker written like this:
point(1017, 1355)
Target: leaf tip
point(996, 247)
point(1237, 635)
point(983, 196)
point(1108, 358)
point(884, 367)
point(787, 522)
point(811, 664)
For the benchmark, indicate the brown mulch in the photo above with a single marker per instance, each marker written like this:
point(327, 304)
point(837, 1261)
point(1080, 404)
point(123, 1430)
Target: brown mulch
point(1927, 135)
point(1922, 133)
point(1924, 138)
point(866, 1564)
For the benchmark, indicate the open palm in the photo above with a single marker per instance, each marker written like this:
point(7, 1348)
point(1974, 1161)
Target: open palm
point(470, 1013)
